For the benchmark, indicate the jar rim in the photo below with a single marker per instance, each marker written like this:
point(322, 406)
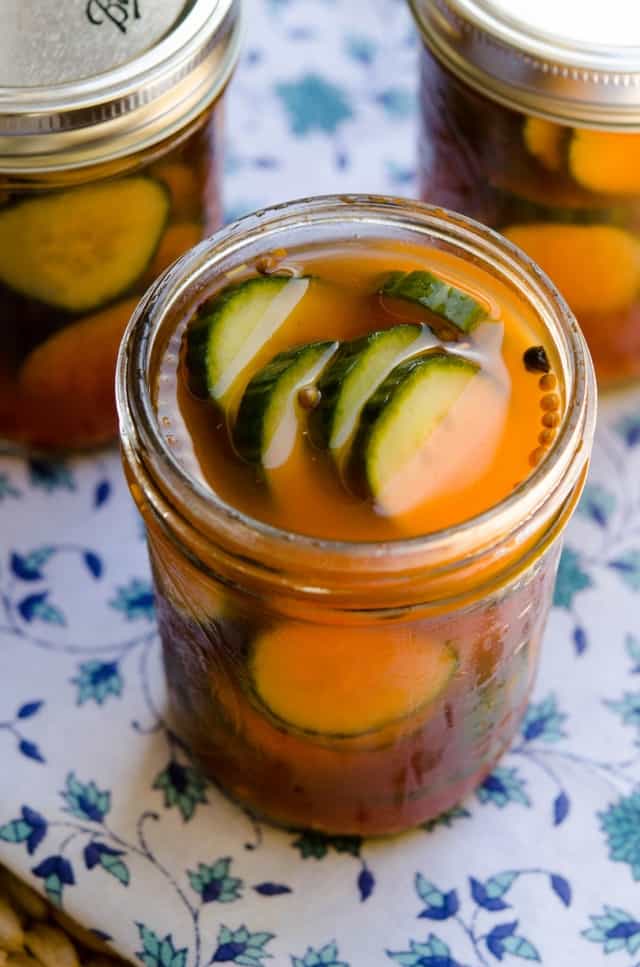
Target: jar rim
point(527, 68)
point(537, 498)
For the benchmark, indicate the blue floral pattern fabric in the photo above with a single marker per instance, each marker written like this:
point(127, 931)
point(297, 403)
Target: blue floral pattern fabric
point(99, 797)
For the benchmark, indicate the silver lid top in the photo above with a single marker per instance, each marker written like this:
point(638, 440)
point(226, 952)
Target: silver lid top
point(85, 82)
point(567, 60)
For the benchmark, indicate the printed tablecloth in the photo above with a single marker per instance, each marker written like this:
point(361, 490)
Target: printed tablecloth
point(100, 806)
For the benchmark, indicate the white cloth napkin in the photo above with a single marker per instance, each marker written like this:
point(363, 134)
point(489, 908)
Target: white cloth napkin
point(99, 806)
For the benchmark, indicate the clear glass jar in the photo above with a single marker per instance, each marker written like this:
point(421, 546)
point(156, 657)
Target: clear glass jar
point(484, 586)
point(109, 170)
point(530, 119)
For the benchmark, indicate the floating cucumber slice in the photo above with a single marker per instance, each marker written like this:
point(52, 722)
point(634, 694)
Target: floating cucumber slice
point(234, 327)
point(267, 424)
point(357, 370)
point(347, 681)
point(444, 300)
point(399, 419)
point(77, 250)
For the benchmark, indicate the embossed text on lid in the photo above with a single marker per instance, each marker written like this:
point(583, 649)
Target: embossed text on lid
point(86, 81)
point(572, 61)
point(59, 41)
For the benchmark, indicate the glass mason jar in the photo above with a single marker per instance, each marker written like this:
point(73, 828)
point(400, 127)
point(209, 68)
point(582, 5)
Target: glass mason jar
point(531, 123)
point(110, 119)
point(484, 586)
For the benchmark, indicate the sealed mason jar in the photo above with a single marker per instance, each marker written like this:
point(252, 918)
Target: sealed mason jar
point(110, 138)
point(267, 632)
point(531, 123)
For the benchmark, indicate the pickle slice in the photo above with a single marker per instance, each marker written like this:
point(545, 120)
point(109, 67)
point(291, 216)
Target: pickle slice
point(80, 249)
point(347, 681)
point(351, 378)
point(399, 419)
point(596, 267)
point(606, 161)
point(267, 421)
point(438, 296)
point(234, 327)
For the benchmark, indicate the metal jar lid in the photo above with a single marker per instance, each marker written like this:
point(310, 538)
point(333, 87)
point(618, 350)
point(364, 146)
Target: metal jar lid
point(87, 81)
point(567, 60)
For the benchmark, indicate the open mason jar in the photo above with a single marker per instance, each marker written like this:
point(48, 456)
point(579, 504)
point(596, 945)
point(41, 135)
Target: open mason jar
point(479, 591)
point(531, 123)
point(110, 139)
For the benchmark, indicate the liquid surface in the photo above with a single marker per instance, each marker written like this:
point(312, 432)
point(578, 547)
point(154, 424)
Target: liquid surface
point(485, 446)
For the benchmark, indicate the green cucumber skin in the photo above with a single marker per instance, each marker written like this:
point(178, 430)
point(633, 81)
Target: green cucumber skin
point(210, 315)
point(67, 313)
point(357, 469)
point(249, 431)
point(322, 419)
point(436, 295)
point(284, 725)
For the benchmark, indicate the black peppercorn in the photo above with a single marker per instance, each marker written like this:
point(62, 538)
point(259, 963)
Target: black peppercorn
point(536, 360)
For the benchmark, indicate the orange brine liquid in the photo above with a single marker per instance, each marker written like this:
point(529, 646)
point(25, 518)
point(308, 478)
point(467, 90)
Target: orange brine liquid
point(484, 448)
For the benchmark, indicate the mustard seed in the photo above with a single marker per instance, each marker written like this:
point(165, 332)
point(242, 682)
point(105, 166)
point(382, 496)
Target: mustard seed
point(548, 382)
point(551, 419)
point(551, 401)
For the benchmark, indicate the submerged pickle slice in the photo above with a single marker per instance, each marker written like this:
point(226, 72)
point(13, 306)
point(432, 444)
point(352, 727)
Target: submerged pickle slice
point(596, 267)
point(606, 161)
point(347, 681)
point(80, 249)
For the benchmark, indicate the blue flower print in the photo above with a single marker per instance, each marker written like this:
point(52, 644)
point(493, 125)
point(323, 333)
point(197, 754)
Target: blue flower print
point(503, 939)
point(241, 947)
point(502, 787)
point(213, 883)
point(360, 48)
point(85, 800)
point(597, 504)
point(438, 905)
point(96, 680)
point(50, 476)
point(432, 952)
point(101, 493)
point(159, 953)
point(135, 600)
point(621, 824)
point(489, 895)
point(447, 819)
point(183, 786)
point(314, 104)
point(317, 845)
point(543, 721)
point(57, 872)
point(15, 727)
point(628, 428)
point(326, 956)
point(36, 607)
point(398, 102)
point(30, 829)
point(627, 565)
point(628, 708)
point(6, 487)
point(616, 930)
point(570, 580)
point(632, 647)
point(109, 859)
point(28, 567)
